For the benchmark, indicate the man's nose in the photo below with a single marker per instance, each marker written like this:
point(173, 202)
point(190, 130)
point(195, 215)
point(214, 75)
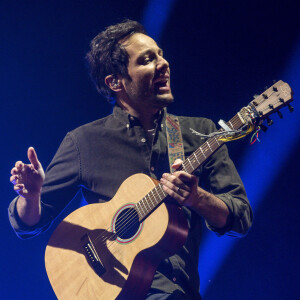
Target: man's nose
point(162, 64)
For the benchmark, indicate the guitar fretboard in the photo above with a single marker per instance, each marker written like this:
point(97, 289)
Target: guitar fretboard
point(157, 195)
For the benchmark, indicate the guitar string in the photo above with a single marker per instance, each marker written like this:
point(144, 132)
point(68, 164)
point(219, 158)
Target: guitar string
point(133, 223)
point(213, 143)
point(107, 235)
point(205, 147)
point(112, 243)
point(134, 212)
point(127, 216)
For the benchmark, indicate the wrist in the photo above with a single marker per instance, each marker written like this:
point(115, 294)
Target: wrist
point(29, 210)
point(202, 199)
point(211, 208)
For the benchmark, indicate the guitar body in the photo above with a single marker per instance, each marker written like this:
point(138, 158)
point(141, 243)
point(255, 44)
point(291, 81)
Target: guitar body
point(127, 262)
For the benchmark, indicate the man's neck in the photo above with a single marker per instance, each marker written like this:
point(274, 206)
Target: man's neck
point(146, 116)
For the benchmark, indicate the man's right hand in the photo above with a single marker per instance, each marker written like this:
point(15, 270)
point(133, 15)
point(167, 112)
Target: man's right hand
point(28, 180)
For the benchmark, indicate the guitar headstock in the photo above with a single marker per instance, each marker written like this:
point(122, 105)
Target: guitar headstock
point(271, 100)
point(252, 116)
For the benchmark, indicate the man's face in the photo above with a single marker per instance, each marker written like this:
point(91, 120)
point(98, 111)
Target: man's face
point(149, 72)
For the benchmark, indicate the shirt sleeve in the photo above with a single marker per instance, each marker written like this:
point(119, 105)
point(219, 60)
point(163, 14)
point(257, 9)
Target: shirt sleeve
point(222, 179)
point(61, 183)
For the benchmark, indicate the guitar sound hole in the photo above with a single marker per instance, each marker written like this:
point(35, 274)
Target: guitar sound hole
point(127, 223)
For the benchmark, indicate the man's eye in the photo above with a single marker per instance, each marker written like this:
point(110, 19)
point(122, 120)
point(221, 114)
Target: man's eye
point(147, 60)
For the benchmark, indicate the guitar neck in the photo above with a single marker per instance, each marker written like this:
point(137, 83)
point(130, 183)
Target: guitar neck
point(157, 195)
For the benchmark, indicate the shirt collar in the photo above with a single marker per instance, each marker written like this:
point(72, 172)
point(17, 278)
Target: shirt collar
point(130, 120)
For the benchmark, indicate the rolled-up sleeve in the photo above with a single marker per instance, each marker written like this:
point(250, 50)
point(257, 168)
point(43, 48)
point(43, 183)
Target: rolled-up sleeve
point(222, 179)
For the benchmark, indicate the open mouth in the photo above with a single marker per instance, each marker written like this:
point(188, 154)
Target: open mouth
point(161, 84)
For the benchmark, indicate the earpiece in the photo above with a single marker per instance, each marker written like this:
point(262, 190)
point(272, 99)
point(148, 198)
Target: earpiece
point(115, 83)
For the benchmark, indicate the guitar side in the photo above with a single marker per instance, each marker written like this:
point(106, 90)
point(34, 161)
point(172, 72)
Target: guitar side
point(128, 267)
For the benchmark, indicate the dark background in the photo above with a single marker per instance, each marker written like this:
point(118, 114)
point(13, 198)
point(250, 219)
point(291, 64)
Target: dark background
point(221, 53)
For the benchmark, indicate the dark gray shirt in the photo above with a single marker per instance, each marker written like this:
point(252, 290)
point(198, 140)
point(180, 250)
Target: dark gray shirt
point(99, 156)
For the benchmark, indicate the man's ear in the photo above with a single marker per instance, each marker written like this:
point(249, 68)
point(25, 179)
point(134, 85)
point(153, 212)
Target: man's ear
point(113, 83)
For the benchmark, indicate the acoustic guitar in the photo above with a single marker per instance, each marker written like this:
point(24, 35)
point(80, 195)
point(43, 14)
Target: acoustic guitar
point(111, 250)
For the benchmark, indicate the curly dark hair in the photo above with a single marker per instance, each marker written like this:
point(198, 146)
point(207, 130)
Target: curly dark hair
point(108, 57)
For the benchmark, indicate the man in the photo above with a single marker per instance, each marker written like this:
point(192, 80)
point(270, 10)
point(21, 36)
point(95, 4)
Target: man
point(128, 67)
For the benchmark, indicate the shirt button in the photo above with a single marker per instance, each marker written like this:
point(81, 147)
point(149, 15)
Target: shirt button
point(127, 125)
point(174, 279)
point(152, 169)
point(162, 125)
point(143, 140)
point(131, 118)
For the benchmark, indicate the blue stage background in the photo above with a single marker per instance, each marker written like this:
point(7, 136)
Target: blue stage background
point(221, 53)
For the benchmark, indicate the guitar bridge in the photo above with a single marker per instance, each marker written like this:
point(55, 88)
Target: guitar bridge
point(92, 256)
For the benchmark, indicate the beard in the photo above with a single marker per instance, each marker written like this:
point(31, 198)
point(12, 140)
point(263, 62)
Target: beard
point(163, 101)
point(147, 96)
point(156, 98)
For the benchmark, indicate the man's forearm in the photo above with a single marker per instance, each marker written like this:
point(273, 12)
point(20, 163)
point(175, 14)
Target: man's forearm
point(29, 211)
point(211, 208)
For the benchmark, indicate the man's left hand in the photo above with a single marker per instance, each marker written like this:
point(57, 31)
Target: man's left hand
point(181, 186)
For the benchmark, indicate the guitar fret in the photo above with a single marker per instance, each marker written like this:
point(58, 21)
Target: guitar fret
point(137, 208)
point(209, 146)
point(183, 167)
point(140, 210)
point(147, 204)
point(205, 148)
point(200, 157)
point(202, 152)
point(196, 158)
point(193, 161)
point(158, 195)
point(145, 208)
point(161, 195)
point(150, 201)
point(154, 199)
point(162, 190)
point(188, 160)
point(239, 119)
point(217, 140)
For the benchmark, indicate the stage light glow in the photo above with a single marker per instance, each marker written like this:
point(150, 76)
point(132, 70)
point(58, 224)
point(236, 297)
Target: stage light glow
point(261, 165)
point(155, 16)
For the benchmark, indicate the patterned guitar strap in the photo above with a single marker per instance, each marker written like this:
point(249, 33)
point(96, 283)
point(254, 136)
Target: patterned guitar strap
point(174, 140)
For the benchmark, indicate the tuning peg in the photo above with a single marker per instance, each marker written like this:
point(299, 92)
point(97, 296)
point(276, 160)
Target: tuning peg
point(291, 108)
point(280, 114)
point(269, 121)
point(263, 127)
